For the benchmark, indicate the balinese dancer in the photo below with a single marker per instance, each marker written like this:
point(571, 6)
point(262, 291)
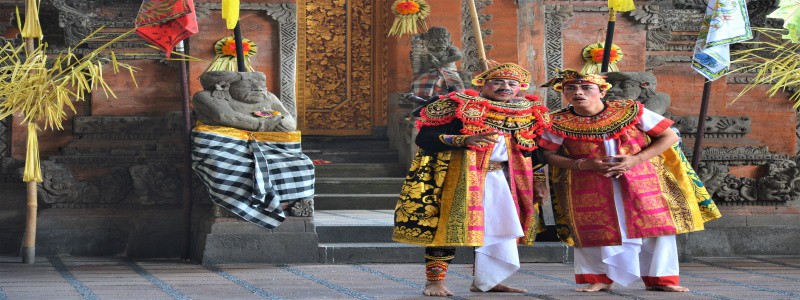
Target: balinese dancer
point(623, 187)
point(474, 181)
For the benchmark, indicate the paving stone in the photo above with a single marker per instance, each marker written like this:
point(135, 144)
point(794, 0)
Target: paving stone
point(762, 277)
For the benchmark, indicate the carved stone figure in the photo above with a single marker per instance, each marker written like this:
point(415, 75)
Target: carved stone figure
point(781, 183)
point(58, 185)
point(240, 100)
point(712, 175)
point(302, 208)
point(639, 86)
point(155, 183)
point(433, 58)
point(737, 190)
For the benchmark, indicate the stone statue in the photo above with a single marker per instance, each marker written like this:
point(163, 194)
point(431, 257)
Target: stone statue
point(782, 182)
point(433, 58)
point(639, 86)
point(240, 100)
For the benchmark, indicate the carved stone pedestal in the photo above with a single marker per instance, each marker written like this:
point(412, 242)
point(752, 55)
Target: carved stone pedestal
point(223, 238)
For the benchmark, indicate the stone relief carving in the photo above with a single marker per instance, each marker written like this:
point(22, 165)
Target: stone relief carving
point(781, 184)
point(79, 18)
point(286, 15)
point(470, 63)
point(555, 15)
point(746, 155)
point(5, 137)
point(302, 208)
point(151, 184)
point(797, 135)
point(155, 183)
point(733, 127)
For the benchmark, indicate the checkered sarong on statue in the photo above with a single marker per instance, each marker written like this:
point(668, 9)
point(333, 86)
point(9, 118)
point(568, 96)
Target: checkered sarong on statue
point(435, 82)
point(251, 173)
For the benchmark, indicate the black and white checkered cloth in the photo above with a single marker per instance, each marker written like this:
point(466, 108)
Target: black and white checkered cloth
point(251, 178)
point(435, 82)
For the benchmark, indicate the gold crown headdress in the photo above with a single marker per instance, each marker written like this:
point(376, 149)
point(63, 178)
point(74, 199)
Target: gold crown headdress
point(570, 76)
point(504, 71)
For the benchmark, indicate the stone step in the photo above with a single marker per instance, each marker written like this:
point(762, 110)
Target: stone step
point(358, 253)
point(353, 143)
point(371, 226)
point(354, 201)
point(354, 156)
point(378, 185)
point(360, 170)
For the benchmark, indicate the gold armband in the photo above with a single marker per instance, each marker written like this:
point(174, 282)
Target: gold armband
point(453, 140)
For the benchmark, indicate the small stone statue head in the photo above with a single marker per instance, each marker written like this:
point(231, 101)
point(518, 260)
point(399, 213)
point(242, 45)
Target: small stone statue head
point(640, 86)
point(436, 39)
point(219, 83)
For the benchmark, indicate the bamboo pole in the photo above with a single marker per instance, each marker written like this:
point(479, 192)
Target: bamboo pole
point(29, 241)
point(476, 28)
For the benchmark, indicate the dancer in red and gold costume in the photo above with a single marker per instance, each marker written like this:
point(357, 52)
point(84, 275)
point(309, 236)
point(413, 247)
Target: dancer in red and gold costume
point(623, 187)
point(474, 182)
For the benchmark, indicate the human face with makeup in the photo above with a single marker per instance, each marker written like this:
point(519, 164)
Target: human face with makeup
point(585, 97)
point(503, 90)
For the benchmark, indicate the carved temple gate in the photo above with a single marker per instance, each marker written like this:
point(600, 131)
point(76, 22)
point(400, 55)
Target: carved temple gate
point(341, 86)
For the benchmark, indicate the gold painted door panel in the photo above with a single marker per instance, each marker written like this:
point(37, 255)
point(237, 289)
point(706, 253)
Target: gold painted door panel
point(341, 73)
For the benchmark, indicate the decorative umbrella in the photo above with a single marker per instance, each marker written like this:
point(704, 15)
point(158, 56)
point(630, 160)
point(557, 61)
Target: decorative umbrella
point(165, 23)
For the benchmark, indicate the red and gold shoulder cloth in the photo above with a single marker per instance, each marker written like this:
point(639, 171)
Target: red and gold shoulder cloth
point(617, 117)
point(523, 120)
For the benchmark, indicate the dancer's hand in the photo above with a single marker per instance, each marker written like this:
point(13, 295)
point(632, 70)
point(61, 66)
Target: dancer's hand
point(481, 140)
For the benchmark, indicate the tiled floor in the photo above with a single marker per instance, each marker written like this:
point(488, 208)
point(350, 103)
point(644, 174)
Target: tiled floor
point(762, 277)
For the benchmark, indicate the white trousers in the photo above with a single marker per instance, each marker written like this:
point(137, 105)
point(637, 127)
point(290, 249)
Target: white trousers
point(634, 259)
point(498, 258)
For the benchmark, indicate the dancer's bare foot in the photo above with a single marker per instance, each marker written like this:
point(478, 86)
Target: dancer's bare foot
point(436, 288)
point(595, 287)
point(500, 288)
point(667, 288)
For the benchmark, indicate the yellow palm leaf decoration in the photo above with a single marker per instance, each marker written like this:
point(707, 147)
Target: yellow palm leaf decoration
point(409, 17)
point(774, 61)
point(621, 5)
point(32, 28)
point(40, 89)
point(230, 12)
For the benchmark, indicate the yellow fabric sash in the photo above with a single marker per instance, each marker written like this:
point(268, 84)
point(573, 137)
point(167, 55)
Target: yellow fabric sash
point(283, 137)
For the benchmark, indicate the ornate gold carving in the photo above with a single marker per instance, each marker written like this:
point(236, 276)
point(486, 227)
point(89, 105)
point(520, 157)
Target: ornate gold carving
point(337, 67)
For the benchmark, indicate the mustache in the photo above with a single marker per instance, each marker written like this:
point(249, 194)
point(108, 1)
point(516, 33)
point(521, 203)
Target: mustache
point(504, 91)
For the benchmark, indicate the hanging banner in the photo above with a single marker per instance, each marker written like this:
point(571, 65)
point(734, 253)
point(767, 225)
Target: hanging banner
point(726, 22)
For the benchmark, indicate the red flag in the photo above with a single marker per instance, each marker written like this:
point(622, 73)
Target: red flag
point(166, 22)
